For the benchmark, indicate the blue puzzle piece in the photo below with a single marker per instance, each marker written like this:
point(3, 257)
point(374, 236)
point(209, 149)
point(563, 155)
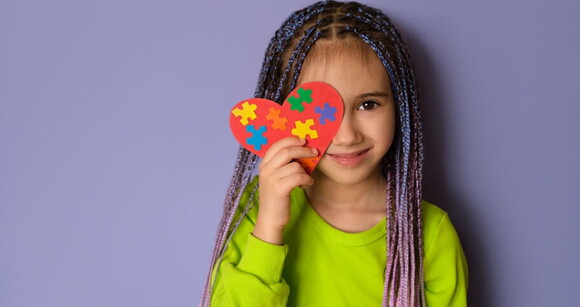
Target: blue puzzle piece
point(257, 139)
point(326, 114)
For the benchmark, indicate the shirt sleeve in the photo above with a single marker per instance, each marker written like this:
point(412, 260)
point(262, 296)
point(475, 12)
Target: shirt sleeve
point(250, 272)
point(446, 272)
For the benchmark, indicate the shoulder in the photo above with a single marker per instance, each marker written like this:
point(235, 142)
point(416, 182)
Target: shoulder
point(445, 264)
point(436, 223)
point(432, 215)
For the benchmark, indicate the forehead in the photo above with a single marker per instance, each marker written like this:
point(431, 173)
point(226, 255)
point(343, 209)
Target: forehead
point(349, 65)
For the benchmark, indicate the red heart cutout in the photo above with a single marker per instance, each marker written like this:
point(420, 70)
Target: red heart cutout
point(312, 111)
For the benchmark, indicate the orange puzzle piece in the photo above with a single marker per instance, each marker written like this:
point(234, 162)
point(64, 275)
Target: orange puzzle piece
point(278, 122)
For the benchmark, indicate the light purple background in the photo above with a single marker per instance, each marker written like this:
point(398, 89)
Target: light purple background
point(115, 150)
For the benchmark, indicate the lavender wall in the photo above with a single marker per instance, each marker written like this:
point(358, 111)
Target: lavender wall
point(115, 150)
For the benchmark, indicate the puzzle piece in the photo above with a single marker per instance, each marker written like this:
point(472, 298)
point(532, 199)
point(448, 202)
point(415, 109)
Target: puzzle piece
point(303, 96)
point(326, 113)
point(303, 129)
point(309, 163)
point(247, 111)
point(257, 139)
point(278, 122)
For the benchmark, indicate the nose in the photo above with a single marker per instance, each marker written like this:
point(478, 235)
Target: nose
point(347, 134)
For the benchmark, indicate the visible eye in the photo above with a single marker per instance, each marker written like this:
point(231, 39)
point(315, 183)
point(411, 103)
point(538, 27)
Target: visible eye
point(368, 105)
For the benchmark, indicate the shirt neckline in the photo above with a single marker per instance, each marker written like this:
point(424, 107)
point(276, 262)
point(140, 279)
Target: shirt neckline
point(365, 237)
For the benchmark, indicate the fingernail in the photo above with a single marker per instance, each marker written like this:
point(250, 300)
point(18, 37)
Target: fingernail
point(314, 151)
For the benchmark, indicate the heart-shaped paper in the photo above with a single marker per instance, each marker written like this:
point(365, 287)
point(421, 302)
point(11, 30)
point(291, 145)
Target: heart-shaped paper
point(312, 111)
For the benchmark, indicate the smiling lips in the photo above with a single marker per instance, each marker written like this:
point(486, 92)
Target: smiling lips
point(349, 159)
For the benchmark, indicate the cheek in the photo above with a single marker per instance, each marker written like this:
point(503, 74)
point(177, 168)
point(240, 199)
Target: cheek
point(383, 133)
point(382, 129)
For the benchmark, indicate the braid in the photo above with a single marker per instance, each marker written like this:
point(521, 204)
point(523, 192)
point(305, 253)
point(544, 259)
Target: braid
point(298, 51)
point(402, 165)
point(279, 46)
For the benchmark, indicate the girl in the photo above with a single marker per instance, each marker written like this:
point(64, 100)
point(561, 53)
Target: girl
point(355, 232)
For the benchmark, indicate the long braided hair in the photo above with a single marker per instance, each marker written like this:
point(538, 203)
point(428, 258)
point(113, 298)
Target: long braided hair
point(402, 165)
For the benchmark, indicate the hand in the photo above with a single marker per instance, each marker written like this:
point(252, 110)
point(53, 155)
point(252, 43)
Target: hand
point(279, 175)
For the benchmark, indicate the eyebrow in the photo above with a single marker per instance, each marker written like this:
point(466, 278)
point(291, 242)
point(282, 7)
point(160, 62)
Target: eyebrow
point(380, 94)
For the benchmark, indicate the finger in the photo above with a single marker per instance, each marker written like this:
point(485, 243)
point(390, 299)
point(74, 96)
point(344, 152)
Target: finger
point(282, 143)
point(295, 180)
point(287, 154)
point(289, 169)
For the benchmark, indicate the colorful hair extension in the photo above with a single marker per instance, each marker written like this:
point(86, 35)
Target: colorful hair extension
point(402, 165)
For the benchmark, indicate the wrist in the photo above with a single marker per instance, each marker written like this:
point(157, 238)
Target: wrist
point(268, 233)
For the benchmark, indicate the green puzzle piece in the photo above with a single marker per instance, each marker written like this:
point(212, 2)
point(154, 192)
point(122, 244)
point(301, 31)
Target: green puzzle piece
point(303, 96)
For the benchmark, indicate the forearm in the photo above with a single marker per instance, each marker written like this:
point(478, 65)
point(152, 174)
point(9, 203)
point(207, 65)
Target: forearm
point(255, 279)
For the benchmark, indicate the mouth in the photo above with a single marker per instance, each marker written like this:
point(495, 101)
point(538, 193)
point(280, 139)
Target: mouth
point(349, 159)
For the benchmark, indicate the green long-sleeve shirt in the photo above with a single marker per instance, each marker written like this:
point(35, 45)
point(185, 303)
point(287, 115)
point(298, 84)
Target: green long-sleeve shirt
point(319, 265)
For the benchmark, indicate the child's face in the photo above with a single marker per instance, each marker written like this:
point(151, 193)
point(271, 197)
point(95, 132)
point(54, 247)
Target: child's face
point(368, 125)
